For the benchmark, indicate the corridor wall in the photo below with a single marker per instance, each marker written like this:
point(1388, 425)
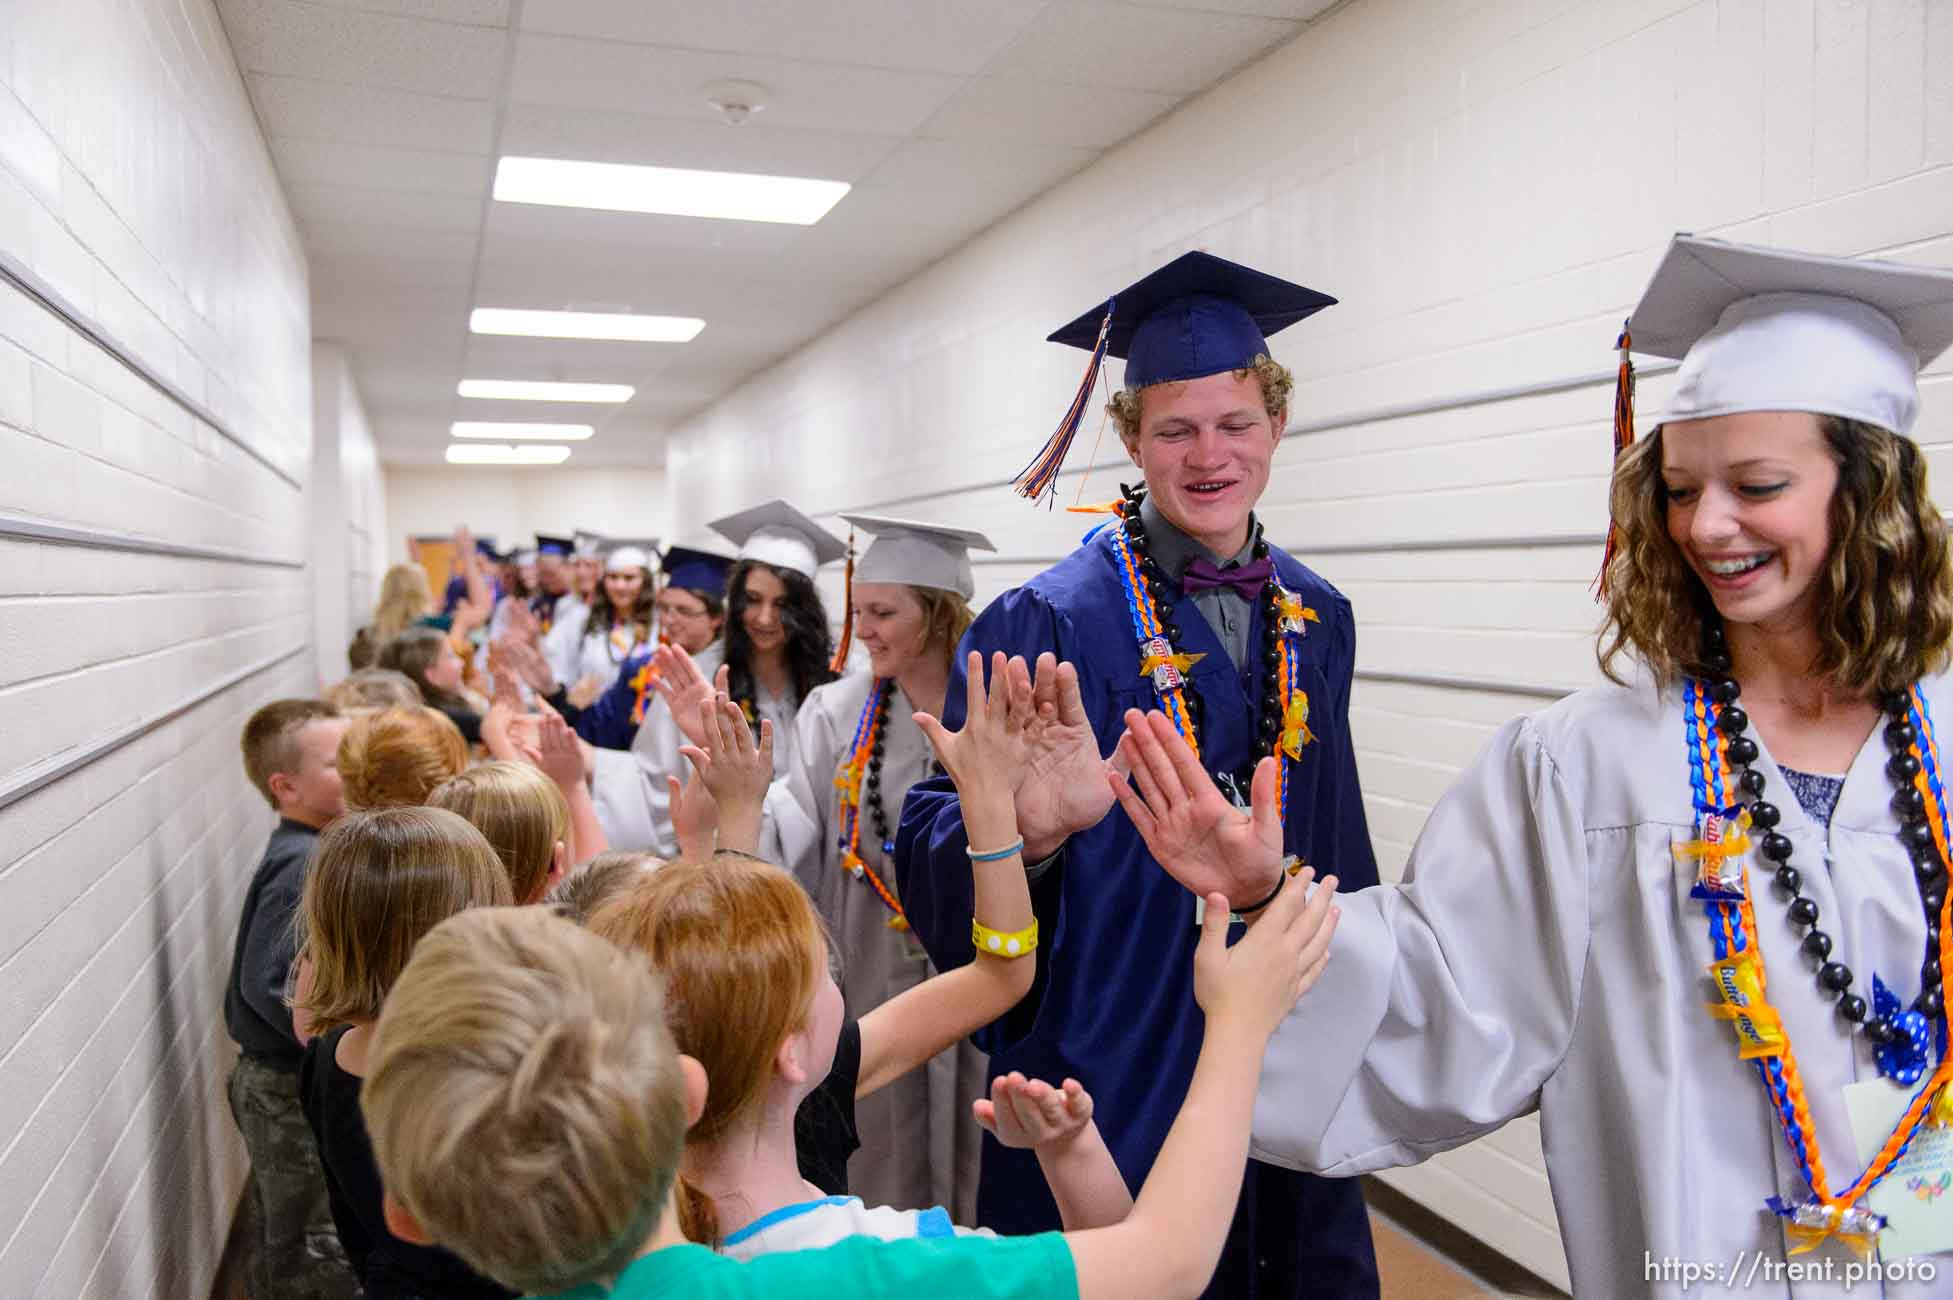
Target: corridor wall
point(155, 434)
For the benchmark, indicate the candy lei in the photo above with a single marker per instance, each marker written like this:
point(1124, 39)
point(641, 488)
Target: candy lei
point(1288, 730)
point(1738, 970)
point(863, 751)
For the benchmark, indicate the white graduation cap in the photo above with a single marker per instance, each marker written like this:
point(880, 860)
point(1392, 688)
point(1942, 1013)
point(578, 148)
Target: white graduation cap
point(778, 534)
point(623, 556)
point(918, 554)
point(1763, 329)
point(587, 545)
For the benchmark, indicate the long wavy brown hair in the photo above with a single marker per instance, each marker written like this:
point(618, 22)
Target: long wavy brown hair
point(1884, 598)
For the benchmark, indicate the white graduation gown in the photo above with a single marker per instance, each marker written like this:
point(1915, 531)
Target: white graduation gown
point(628, 787)
point(1543, 953)
point(601, 654)
point(919, 1145)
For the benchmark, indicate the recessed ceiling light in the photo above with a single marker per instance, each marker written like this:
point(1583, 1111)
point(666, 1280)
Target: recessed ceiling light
point(479, 453)
point(671, 191)
point(525, 390)
point(519, 429)
point(585, 325)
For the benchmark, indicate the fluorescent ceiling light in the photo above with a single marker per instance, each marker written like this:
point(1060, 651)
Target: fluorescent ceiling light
point(672, 191)
point(524, 390)
point(518, 429)
point(585, 325)
point(478, 453)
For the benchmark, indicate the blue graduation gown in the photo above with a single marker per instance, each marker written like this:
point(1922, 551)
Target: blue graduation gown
point(1113, 1003)
point(609, 722)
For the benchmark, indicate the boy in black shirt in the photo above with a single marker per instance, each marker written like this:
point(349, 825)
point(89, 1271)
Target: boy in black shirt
point(289, 746)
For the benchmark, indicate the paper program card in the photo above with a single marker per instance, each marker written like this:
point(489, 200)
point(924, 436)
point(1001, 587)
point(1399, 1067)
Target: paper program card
point(1916, 1197)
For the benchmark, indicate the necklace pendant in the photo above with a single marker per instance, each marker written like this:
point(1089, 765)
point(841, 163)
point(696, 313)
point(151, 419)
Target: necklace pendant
point(1905, 1057)
point(1811, 1222)
point(1720, 843)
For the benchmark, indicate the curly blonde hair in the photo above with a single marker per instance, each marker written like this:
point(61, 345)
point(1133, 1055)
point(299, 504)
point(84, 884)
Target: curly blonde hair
point(1276, 385)
point(1884, 597)
point(395, 758)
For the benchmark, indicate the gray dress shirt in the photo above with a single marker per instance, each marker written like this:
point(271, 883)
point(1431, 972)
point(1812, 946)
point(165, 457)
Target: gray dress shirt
point(1224, 608)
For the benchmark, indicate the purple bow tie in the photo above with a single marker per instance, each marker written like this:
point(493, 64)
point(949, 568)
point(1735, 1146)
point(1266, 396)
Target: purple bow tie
point(1246, 579)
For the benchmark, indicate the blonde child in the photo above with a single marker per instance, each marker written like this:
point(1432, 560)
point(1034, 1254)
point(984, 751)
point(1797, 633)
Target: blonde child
point(288, 748)
point(751, 996)
point(371, 689)
point(380, 881)
point(579, 895)
point(523, 816)
point(396, 757)
point(528, 1104)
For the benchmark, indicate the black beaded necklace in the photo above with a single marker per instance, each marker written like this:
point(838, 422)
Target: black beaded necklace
point(1834, 978)
point(871, 793)
point(1268, 736)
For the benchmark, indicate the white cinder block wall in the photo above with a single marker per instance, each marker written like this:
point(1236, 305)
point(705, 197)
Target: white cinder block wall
point(512, 505)
point(347, 500)
point(1485, 186)
point(135, 188)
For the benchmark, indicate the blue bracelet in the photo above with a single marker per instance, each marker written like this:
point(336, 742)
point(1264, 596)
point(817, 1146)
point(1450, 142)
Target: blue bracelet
point(999, 855)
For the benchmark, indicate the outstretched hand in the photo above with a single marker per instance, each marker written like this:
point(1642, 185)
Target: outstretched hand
point(1025, 1113)
point(1255, 984)
point(1065, 786)
point(1203, 841)
point(734, 770)
point(676, 677)
point(989, 757)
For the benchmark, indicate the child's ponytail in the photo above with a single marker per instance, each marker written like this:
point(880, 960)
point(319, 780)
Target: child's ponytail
point(698, 1217)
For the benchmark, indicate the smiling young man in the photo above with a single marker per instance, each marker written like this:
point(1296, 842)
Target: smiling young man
point(1181, 604)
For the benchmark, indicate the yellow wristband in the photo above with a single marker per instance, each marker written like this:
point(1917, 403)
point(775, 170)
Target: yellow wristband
point(1017, 943)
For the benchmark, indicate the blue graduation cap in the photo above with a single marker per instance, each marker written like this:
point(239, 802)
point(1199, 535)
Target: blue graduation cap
point(547, 544)
point(1198, 315)
point(697, 570)
point(485, 547)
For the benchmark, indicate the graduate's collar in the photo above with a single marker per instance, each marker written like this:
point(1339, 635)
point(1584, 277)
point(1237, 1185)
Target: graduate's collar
point(1171, 548)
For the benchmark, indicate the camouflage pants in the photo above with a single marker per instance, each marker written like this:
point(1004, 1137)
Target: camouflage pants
point(296, 1254)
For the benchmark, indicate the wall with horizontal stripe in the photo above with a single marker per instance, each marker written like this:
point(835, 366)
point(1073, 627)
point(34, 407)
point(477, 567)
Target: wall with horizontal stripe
point(155, 433)
point(1486, 188)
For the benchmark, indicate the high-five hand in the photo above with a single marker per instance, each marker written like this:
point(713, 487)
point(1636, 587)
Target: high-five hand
point(1203, 841)
point(1065, 789)
point(683, 688)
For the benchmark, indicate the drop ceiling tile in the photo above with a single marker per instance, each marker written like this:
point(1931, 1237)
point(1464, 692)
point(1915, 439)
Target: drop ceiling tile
point(364, 239)
point(536, 230)
point(670, 83)
point(957, 36)
point(329, 110)
point(954, 178)
point(1120, 45)
point(476, 13)
point(1015, 108)
point(549, 131)
point(365, 49)
point(1293, 10)
point(460, 213)
point(376, 167)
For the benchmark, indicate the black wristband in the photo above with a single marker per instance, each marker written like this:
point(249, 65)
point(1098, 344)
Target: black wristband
point(1280, 880)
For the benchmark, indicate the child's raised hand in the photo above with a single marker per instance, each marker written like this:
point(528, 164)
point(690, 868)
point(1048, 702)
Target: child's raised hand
point(989, 756)
point(694, 818)
point(733, 769)
point(1026, 1113)
point(557, 752)
point(1255, 984)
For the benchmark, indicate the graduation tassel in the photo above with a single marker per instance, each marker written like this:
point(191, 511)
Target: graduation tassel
point(847, 618)
point(1623, 439)
point(1040, 477)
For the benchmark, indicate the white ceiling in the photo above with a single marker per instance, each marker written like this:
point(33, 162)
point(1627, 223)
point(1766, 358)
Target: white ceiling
point(385, 118)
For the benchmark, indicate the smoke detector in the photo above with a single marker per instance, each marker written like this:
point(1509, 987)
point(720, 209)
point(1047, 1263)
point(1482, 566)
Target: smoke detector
point(736, 101)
